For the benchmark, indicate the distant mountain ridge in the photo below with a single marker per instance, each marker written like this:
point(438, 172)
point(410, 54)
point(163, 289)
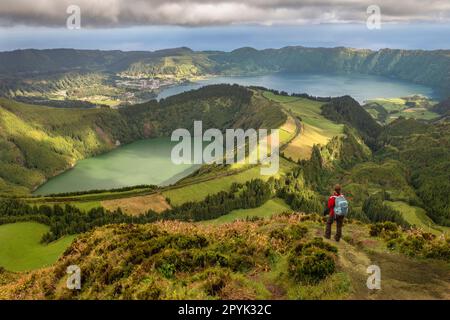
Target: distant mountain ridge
point(431, 68)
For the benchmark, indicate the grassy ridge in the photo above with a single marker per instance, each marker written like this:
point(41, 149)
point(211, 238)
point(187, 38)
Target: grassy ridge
point(39, 142)
point(316, 129)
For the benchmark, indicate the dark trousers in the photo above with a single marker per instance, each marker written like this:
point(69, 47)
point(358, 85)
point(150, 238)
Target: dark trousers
point(339, 223)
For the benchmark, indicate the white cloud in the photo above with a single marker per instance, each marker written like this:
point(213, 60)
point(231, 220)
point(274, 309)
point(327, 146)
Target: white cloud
point(106, 13)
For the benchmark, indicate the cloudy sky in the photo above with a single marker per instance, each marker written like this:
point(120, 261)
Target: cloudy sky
point(151, 24)
point(221, 12)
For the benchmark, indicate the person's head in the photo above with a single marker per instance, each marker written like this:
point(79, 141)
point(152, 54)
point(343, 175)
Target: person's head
point(337, 189)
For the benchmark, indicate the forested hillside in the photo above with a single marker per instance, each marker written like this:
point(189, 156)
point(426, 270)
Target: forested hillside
point(348, 111)
point(424, 149)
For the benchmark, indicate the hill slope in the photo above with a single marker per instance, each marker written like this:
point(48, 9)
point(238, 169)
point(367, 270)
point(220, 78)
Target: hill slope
point(278, 258)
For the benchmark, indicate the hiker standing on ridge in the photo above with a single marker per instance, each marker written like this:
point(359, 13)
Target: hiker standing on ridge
point(338, 209)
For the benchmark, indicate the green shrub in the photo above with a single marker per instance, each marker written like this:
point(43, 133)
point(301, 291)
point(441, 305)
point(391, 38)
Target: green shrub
point(294, 232)
point(241, 263)
point(382, 228)
point(279, 233)
point(188, 242)
point(214, 279)
point(312, 265)
point(180, 261)
point(411, 246)
point(421, 244)
point(167, 270)
point(297, 231)
point(205, 258)
point(437, 250)
point(316, 242)
point(312, 261)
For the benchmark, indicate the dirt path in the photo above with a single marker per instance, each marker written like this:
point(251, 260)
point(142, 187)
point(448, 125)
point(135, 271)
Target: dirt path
point(401, 277)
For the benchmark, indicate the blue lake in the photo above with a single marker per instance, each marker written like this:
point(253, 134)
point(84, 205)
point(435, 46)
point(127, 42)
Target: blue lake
point(360, 87)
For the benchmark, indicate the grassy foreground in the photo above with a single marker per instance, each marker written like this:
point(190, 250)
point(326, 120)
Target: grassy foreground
point(21, 250)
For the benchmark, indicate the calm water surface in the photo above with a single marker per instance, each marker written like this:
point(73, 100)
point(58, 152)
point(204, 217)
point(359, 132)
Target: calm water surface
point(360, 87)
point(141, 162)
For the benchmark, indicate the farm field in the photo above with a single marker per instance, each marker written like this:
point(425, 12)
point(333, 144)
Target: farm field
point(137, 205)
point(21, 250)
point(287, 130)
point(301, 147)
point(416, 107)
point(316, 129)
point(309, 111)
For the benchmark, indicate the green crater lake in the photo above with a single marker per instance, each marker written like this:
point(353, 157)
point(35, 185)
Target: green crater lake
point(141, 162)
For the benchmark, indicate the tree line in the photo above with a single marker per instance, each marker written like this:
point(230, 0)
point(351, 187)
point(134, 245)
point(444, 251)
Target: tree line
point(69, 219)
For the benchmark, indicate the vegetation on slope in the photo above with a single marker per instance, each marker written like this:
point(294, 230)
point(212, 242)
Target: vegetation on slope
point(272, 258)
point(424, 148)
point(348, 111)
point(278, 258)
point(417, 217)
point(411, 157)
point(442, 107)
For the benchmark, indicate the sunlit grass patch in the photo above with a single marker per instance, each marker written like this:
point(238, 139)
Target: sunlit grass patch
point(21, 250)
point(268, 209)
